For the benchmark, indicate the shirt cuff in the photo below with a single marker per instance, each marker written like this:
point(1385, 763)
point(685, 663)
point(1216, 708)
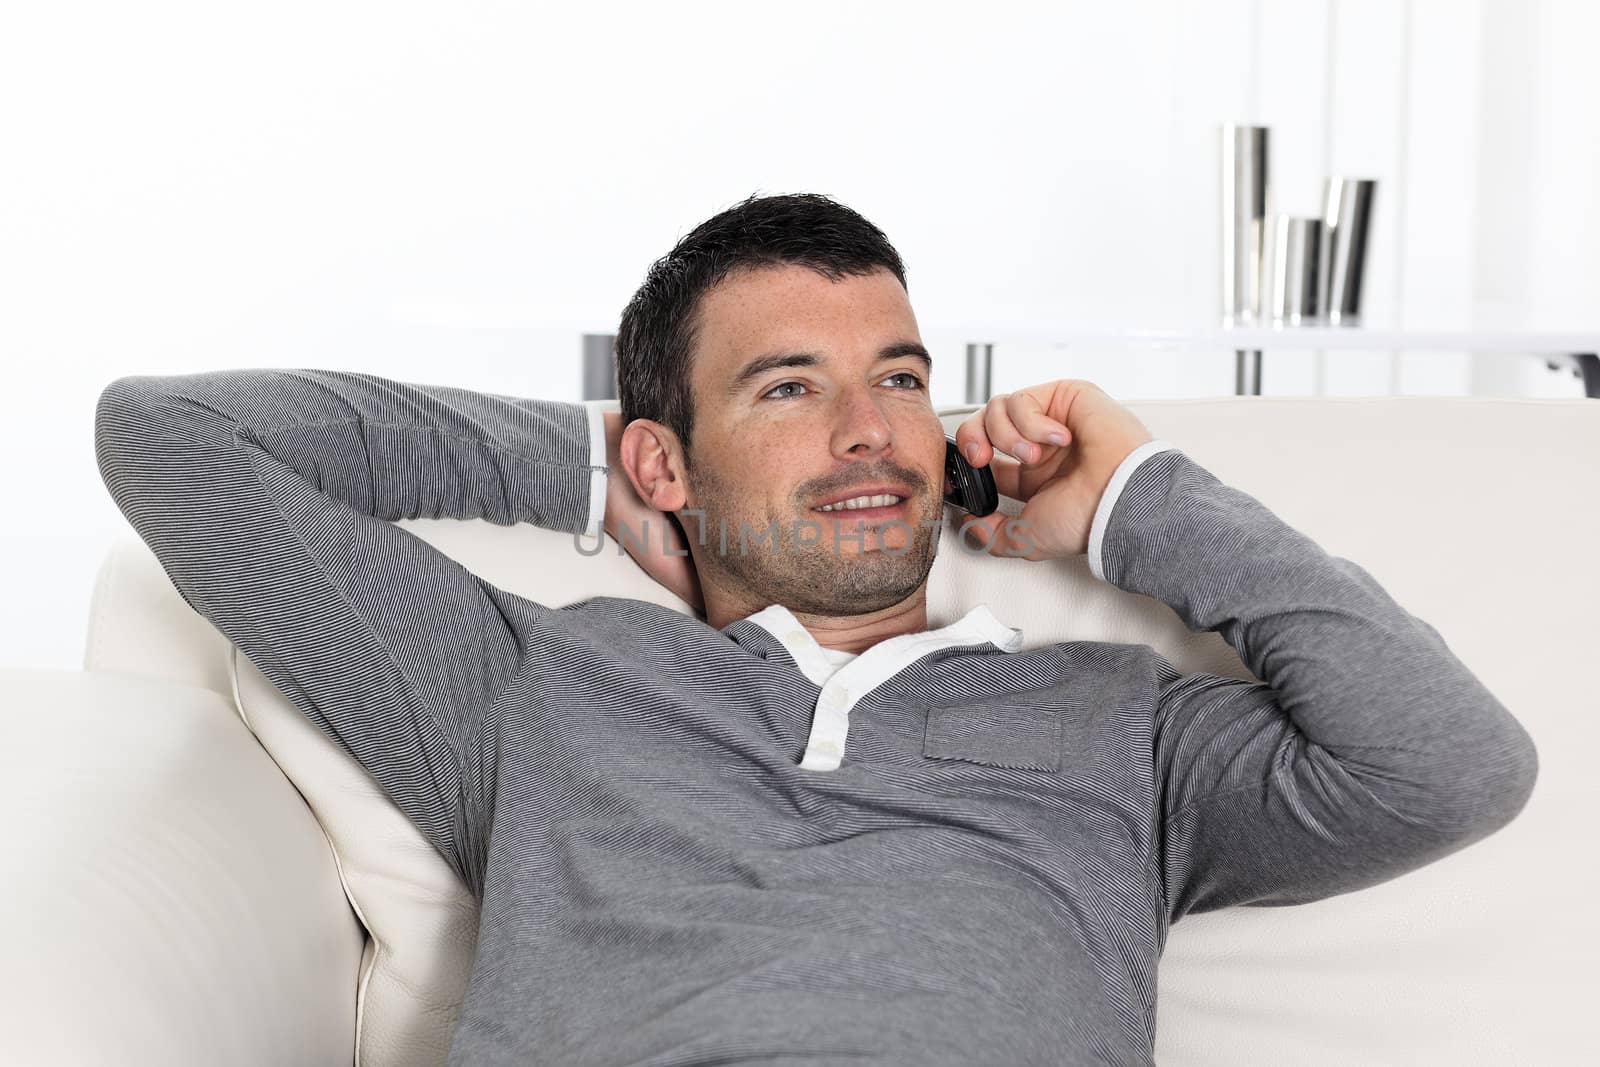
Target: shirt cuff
point(1108, 500)
point(598, 466)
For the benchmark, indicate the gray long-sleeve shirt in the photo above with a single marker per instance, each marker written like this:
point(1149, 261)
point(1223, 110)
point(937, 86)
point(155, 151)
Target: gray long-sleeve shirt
point(988, 874)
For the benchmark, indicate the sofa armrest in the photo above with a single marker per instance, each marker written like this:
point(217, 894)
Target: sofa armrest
point(166, 897)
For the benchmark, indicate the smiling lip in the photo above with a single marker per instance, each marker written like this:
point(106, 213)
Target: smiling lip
point(888, 511)
point(868, 490)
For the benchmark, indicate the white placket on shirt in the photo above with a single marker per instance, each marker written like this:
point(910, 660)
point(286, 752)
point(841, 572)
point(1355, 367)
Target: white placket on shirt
point(844, 679)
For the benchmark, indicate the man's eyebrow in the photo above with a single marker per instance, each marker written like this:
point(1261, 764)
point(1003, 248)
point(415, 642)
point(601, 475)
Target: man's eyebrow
point(761, 365)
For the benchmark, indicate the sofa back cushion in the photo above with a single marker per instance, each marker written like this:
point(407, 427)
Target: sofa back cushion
point(1475, 514)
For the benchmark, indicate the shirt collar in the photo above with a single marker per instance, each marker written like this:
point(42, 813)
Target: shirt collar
point(978, 626)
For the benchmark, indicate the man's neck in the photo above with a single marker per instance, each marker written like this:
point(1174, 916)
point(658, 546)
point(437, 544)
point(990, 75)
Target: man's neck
point(844, 633)
point(857, 633)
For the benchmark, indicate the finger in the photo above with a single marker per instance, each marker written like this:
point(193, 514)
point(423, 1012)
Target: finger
point(972, 441)
point(1003, 433)
point(1035, 424)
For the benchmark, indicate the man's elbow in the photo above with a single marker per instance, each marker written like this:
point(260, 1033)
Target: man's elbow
point(139, 417)
point(118, 415)
point(123, 414)
point(1487, 785)
point(147, 436)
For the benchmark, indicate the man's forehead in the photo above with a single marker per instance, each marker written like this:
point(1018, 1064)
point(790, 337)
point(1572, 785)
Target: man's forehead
point(789, 308)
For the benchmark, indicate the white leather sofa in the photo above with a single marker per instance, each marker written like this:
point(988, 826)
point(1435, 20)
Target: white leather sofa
point(193, 875)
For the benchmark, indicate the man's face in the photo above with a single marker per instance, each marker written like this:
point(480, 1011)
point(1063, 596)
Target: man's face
point(809, 392)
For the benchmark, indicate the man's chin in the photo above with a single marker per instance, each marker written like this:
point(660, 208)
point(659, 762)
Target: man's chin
point(828, 585)
point(870, 581)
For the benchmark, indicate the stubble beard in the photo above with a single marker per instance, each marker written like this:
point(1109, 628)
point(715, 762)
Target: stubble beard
point(830, 577)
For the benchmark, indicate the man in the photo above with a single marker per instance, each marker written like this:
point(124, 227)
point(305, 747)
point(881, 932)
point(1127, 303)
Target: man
point(804, 827)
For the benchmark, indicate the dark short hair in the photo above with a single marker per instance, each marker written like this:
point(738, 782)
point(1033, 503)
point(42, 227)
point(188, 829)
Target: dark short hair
point(659, 326)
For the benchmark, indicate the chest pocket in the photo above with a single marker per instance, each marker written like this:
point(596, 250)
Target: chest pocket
point(997, 733)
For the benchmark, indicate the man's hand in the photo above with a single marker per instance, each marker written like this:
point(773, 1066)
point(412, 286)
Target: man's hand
point(626, 510)
point(1060, 478)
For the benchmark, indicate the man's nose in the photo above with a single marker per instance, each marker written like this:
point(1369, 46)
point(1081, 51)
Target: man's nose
point(860, 427)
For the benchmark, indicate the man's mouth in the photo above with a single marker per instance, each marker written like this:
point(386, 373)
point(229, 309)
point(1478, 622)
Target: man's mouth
point(868, 507)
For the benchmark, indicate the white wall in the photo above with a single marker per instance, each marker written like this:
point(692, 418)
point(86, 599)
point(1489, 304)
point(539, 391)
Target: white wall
point(453, 192)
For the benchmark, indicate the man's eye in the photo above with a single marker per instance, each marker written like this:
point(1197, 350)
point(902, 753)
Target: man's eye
point(912, 382)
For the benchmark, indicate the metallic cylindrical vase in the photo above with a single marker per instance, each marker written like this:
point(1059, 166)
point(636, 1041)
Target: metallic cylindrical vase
point(599, 366)
point(1347, 216)
point(1245, 212)
point(1295, 293)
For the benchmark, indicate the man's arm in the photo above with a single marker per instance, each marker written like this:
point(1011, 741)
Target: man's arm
point(268, 497)
point(1370, 750)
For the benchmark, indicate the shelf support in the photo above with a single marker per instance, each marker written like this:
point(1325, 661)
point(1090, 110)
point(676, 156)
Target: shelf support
point(980, 367)
point(1247, 372)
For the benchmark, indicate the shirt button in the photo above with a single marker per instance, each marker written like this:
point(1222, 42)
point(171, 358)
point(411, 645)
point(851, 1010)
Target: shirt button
point(836, 695)
point(794, 639)
point(828, 748)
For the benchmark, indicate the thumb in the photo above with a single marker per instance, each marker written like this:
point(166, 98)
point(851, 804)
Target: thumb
point(980, 531)
point(1006, 536)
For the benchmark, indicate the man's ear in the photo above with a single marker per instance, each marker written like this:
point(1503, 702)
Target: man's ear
point(653, 460)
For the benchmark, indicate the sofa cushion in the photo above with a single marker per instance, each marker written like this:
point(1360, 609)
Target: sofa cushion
point(1469, 511)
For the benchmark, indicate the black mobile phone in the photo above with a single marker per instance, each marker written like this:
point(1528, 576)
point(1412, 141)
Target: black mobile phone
point(972, 488)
